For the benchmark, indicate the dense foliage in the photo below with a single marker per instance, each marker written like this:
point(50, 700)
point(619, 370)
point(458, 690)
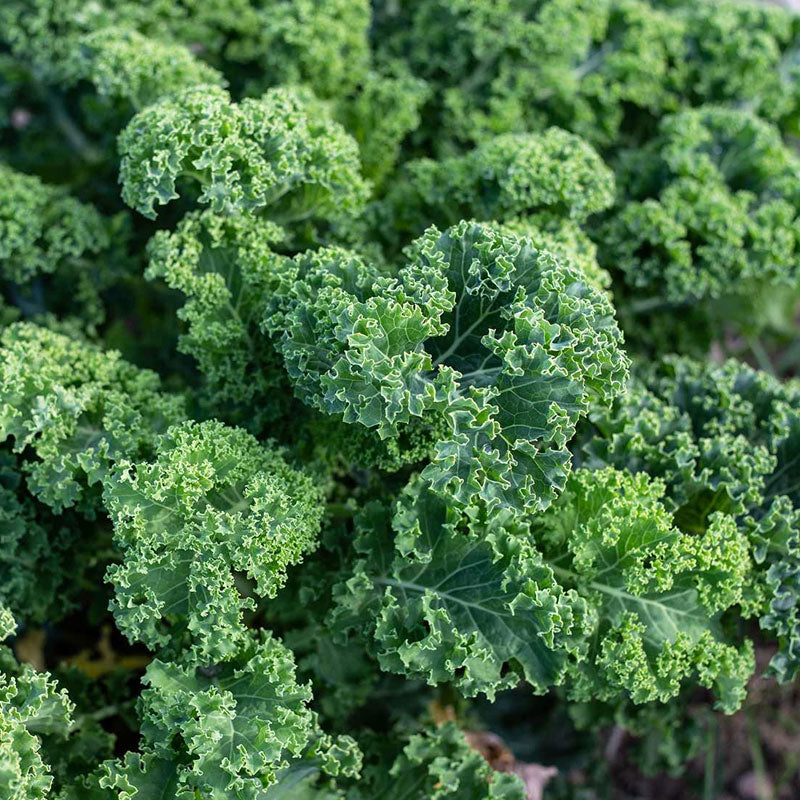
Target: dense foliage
point(365, 365)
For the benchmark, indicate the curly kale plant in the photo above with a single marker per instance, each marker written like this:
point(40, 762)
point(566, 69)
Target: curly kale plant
point(213, 506)
point(723, 440)
point(278, 153)
point(398, 400)
point(499, 339)
point(707, 226)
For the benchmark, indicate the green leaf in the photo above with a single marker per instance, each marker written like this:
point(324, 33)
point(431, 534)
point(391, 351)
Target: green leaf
point(213, 507)
point(438, 764)
point(457, 598)
point(31, 705)
point(553, 173)
point(224, 267)
point(226, 731)
point(656, 593)
point(279, 153)
point(479, 330)
point(72, 410)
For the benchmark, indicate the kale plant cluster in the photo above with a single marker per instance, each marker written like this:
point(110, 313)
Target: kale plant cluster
point(364, 365)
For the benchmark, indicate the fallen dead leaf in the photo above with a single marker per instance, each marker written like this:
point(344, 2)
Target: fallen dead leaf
point(104, 659)
point(30, 648)
point(533, 776)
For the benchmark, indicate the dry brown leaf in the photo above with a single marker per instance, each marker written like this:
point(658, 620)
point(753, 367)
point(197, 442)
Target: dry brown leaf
point(533, 776)
point(30, 648)
point(107, 659)
point(441, 714)
point(492, 748)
